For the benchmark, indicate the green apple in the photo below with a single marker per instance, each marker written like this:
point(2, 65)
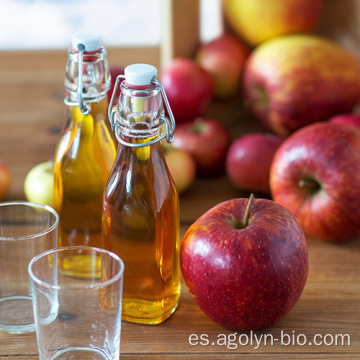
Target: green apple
point(39, 184)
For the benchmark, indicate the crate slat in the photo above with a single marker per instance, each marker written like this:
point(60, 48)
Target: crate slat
point(180, 29)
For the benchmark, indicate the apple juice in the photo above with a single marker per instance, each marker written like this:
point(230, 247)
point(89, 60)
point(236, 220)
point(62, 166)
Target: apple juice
point(83, 160)
point(141, 226)
point(141, 210)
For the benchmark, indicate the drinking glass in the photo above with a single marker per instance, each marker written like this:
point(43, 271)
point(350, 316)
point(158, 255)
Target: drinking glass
point(77, 317)
point(26, 229)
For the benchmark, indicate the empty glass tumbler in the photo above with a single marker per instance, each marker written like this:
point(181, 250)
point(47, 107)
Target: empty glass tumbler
point(77, 317)
point(26, 229)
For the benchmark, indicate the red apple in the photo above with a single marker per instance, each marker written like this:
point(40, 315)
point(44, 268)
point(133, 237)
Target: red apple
point(115, 71)
point(182, 168)
point(207, 140)
point(224, 58)
point(296, 80)
point(189, 88)
point(246, 266)
point(5, 180)
point(257, 21)
point(316, 175)
point(248, 161)
point(348, 119)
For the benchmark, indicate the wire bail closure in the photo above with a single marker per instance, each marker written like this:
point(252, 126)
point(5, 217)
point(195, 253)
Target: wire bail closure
point(170, 125)
point(84, 107)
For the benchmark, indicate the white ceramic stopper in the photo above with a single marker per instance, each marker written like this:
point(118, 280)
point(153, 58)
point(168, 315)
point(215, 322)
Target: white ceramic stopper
point(140, 74)
point(91, 40)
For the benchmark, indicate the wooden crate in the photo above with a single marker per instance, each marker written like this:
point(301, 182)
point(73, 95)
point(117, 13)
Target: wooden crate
point(340, 21)
point(180, 29)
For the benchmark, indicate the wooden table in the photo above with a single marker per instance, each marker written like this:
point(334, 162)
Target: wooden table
point(31, 116)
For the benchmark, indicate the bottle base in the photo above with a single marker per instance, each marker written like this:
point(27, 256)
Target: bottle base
point(148, 312)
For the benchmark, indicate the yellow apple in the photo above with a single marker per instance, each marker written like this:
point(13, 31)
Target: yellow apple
point(182, 168)
point(39, 184)
point(259, 20)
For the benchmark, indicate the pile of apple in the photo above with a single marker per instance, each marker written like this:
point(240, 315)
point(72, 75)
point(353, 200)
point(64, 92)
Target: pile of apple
point(289, 79)
point(246, 261)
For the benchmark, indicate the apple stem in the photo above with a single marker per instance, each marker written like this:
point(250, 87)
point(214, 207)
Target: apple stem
point(247, 212)
point(310, 184)
point(198, 126)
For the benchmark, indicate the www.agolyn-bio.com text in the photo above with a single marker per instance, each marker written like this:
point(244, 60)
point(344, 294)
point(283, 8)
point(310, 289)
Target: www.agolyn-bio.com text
point(257, 340)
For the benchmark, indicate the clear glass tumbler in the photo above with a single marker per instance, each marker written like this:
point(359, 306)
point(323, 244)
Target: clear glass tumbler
point(77, 317)
point(26, 229)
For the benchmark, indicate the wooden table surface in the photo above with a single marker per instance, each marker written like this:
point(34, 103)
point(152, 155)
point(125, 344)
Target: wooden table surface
point(31, 115)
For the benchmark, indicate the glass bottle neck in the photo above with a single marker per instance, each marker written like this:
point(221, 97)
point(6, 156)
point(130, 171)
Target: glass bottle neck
point(93, 78)
point(138, 118)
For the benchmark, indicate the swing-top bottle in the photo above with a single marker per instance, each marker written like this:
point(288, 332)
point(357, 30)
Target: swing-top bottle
point(141, 205)
point(85, 152)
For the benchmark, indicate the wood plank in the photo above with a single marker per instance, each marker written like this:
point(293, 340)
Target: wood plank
point(215, 356)
point(55, 60)
point(238, 355)
point(304, 321)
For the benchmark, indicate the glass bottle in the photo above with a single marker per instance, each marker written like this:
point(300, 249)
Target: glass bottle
point(85, 152)
point(141, 203)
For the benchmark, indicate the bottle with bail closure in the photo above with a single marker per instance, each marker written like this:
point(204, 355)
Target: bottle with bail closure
point(141, 203)
point(85, 152)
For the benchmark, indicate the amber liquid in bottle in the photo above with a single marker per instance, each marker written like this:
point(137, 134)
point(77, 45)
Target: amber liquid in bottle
point(141, 225)
point(83, 160)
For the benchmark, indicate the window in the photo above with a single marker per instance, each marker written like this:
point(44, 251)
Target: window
point(50, 24)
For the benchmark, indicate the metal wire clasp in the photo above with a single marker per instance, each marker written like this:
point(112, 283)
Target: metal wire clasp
point(84, 107)
point(169, 125)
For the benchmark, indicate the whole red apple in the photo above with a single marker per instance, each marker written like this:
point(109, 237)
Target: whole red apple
point(348, 119)
point(207, 140)
point(316, 175)
point(246, 266)
point(257, 21)
point(248, 161)
point(5, 180)
point(189, 88)
point(182, 168)
point(296, 80)
point(224, 58)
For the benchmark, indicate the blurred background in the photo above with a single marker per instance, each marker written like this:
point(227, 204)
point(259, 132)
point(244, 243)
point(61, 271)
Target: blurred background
point(49, 24)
